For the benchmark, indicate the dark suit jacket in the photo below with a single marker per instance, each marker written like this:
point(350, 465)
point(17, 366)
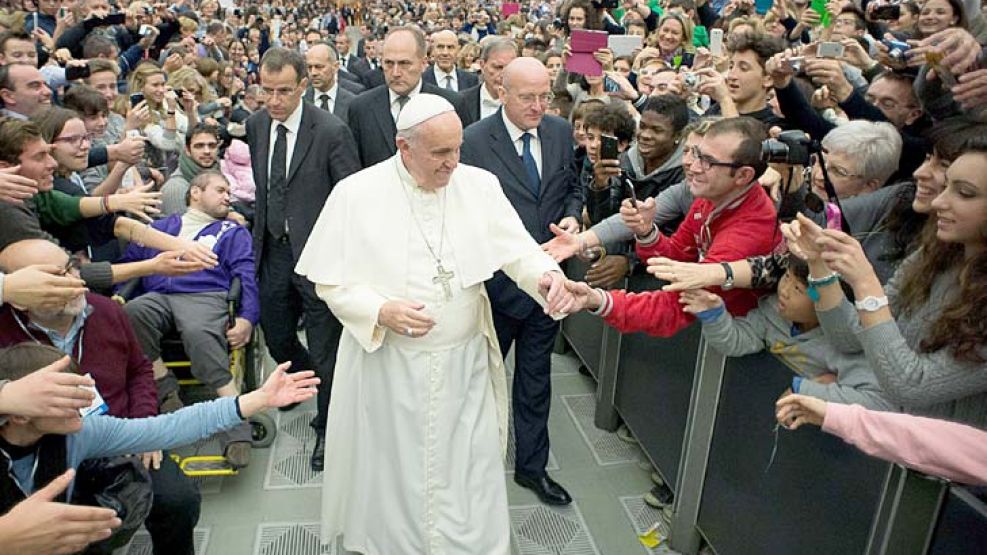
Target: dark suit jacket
point(350, 82)
point(487, 145)
point(465, 79)
point(471, 100)
point(372, 124)
point(345, 62)
point(324, 154)
point(341, 108)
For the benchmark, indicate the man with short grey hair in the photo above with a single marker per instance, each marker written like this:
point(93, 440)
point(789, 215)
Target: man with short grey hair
point(325, 86)
point(484, 99)
point(443, 71)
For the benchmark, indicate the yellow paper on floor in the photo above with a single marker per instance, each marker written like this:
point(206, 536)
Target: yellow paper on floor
point(651, 538)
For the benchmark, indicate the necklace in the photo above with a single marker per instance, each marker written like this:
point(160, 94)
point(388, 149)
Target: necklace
point(442, 277)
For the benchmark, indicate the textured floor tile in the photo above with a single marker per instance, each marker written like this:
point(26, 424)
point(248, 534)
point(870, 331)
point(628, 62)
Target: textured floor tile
point(543, 530)
point(606, 447)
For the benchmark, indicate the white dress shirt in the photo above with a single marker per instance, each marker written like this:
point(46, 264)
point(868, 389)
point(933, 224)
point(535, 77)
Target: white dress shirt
point(488, 104)
point(441, 76)
point(331, 93)
point(516, 133)
point(293, 122)
point(395, 107)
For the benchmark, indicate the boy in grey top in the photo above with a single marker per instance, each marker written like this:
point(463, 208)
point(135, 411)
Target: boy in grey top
point(786, 325)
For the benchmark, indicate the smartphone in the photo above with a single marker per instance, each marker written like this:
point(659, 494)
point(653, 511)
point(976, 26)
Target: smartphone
point(115, 19)
point(608, 148)
point(76, 72)
point(887, 12)
point(829, 50)
point(34, 16)
point(631, 192)
point(834, 217)
point(136, 98)
point(716, 42)
point(146, 30)
point(610, 86)
point(62, 12)
point(795, 62)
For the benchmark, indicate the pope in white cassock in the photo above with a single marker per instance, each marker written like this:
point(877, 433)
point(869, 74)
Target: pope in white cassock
point(417, 429)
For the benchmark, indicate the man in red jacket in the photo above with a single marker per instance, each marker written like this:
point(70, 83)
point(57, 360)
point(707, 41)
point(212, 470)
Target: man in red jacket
point(731, 219)
point(96, 333)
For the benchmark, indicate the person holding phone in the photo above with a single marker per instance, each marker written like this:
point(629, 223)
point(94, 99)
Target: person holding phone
point(609, 131)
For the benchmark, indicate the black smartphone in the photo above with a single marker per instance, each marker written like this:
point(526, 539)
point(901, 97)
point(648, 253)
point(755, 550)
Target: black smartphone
point(608, 148)
point(77, 72)
point(887, 12)
point(631, 192)
point(115, 19)
point(136, 98)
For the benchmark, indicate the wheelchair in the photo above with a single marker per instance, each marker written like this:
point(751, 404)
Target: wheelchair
point(246, 368)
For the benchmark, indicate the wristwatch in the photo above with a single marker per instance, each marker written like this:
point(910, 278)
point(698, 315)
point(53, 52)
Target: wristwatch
point(871, 304)
point(727, 283)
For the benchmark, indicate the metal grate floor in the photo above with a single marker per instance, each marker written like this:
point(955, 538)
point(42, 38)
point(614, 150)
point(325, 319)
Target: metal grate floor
point(290, 538)
point(543, 530)
point(140, 544)
point(288, 466)
point(606, 447)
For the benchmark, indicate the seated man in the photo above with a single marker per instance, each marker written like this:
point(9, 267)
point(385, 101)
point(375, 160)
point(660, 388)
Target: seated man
point(731, 214)
point(94, 331)
point(195, 304)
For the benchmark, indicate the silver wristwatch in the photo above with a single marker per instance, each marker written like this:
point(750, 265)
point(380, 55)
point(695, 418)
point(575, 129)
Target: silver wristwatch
point(871, 304)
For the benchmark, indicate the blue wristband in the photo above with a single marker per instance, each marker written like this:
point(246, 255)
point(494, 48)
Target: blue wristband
point(796, 384)
point(711, 314)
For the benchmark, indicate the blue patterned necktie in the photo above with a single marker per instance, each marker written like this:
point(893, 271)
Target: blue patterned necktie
point(534, 180)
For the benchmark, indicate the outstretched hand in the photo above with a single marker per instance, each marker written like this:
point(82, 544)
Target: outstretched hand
point(682, 276)
point(280, 389)
point(563, 246)
point(51, 392)
point(793, 410)
point(699, 300)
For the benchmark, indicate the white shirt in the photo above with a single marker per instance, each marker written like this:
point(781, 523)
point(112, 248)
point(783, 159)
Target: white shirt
point(488, 104)
point(441, 76)
point(395, 107)
point(293, 122)
point(516, 133)
point(331, 93)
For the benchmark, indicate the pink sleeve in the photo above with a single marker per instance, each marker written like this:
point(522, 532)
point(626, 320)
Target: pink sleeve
point(938, 447)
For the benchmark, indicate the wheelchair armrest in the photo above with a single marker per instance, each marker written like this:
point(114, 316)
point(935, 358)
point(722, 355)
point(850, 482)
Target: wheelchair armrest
point(233, 300)
point(128, 290)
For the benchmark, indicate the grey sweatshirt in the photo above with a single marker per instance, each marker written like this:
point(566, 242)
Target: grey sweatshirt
point(809, 354)
point(672, 203)
point(929, 384)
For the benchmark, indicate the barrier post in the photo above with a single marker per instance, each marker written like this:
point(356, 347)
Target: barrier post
point(907, 514)
point(606, 416)
point(684, 536)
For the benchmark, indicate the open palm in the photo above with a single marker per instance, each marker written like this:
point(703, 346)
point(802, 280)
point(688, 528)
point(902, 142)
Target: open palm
point(282, 388)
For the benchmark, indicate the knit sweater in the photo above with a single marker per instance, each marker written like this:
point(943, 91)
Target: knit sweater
point(930, 384)
point(109, 352)
point(808, 353)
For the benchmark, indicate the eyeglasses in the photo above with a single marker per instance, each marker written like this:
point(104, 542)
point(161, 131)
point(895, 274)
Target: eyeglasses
point(529, 99)
point(706, 162)
point(76, 140)
point(74, 264)
point(280, 93)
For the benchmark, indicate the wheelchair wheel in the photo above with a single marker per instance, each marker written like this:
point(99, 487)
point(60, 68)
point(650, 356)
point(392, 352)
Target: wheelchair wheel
point(263, 429)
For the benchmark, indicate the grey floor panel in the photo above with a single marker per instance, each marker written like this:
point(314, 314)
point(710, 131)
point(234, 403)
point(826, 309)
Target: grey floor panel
point(209, 485)
point(289, 466)
point(290, 538)
point(543, 530)
point(643, 517)
point(606, 447)
point(140, 544)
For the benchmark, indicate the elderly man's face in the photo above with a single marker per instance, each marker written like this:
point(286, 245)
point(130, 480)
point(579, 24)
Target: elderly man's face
point(432, 154)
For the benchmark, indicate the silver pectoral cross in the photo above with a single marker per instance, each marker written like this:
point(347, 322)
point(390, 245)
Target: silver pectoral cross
point(443, 277)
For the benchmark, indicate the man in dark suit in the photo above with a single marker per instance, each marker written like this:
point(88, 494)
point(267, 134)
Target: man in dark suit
point(443, 71)
point(346, 58)
point(325, 89)
point(373, 113)
point(299, 153)
point(482, 100)
point(531, 154)
point(350, 82)
point(366, 63)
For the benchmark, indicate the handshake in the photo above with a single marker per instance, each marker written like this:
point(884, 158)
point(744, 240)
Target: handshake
point(564, 296)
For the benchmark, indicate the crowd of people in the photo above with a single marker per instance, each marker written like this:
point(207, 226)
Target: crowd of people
point(402, 180)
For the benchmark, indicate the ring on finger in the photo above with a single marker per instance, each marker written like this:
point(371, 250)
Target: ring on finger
point(409, 331)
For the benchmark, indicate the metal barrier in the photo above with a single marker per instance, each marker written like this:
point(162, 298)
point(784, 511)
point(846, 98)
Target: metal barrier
point(583, 332)
point(962, 526)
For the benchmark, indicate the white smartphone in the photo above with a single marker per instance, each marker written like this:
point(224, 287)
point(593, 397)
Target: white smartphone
point(716, 42)
point(829, 50)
